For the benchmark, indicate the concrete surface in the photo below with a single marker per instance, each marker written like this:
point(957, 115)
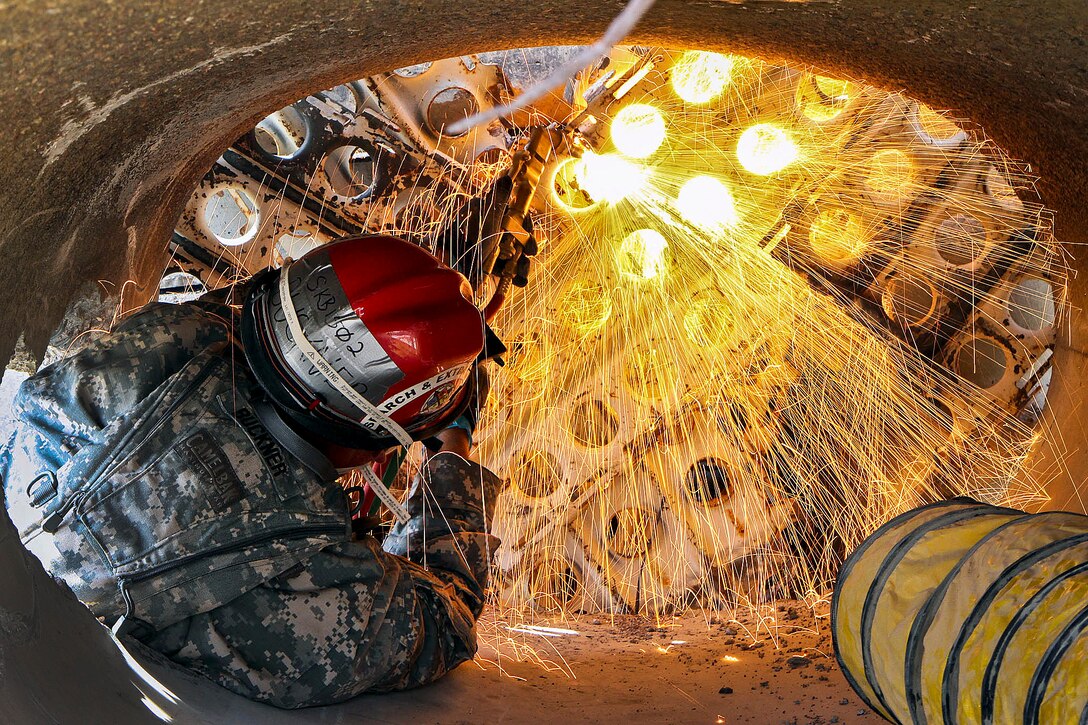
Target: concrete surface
point(111, 111)
point(583, 669)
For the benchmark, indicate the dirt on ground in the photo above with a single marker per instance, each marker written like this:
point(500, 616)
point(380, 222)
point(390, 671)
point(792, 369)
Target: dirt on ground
point(774, 667)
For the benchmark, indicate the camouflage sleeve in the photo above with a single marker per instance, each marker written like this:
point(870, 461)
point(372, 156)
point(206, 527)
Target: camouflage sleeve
point(357, 618)
point(70, 400)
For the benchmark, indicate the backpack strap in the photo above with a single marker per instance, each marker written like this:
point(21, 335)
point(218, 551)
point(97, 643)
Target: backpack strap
point(295, 444)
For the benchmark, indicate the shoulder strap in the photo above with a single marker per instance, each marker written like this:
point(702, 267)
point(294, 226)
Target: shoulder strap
point(295, 444)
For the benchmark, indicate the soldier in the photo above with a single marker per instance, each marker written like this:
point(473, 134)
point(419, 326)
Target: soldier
point(180, 475)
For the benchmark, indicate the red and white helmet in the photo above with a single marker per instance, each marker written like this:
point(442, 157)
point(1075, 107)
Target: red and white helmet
point(366, 342)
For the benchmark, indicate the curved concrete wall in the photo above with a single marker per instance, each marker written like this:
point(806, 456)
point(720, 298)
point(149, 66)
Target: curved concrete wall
point(111, 113)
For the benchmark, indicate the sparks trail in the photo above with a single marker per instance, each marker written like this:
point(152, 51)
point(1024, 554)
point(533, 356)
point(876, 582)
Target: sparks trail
point(771, 310)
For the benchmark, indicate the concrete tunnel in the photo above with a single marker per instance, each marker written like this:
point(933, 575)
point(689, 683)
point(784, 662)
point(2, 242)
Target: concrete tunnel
point(116, 113)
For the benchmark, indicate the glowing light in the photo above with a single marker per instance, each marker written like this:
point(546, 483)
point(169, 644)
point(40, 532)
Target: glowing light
point(838, 236)
point(891, 177)
point(609, 177)
point(730, 658)
point(700, 77)
point(155, 709)
point(638, 130)
point(707, 202)
point(822, 99)
point(641, 255)
point(766, 149)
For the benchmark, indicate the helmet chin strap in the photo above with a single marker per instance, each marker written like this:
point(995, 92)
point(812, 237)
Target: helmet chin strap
point(337, 381)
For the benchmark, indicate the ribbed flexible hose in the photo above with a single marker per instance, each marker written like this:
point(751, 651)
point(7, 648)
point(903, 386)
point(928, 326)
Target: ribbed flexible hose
point(961, 612)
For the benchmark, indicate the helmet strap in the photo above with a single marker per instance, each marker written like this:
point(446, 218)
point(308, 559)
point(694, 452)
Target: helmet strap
point(328, 372)
point(377, 485)
point(337, 381)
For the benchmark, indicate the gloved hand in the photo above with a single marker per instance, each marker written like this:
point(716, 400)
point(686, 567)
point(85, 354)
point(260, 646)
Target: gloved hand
point(472, 238)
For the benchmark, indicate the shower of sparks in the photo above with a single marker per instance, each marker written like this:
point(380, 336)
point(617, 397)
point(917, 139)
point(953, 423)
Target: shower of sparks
point(720, 414)
point(772, 310)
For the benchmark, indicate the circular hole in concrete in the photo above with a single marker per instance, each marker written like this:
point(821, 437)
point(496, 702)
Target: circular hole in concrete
point(935, 129)
point(982, 361)
point(711, 322)
point(350, 170)
point(553, 583)
point(449, 106)
point(231, 216)
point(180, 287)
point(909, 301)
point(891, 178)
point(631, 532)
point(487, 166)
point(537, 473)
point(566, 189)
point(838, 237)
point(1000, 190)
point(592, 423)
point(960, 239)
point(707, 481)
point(586, 306)
point(283, 134)
point(1031, 305)
point(821, 99)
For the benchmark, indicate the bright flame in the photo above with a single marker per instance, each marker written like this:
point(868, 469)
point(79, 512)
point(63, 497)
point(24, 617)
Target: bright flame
point(638, 130)
point(700, 77)
point(707, 202)
point(891, 176)
point(609, 177)
point(765, 149)
point(641, 255)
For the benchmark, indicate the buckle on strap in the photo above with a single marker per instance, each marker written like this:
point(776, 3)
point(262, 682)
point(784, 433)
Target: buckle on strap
point(42, 489)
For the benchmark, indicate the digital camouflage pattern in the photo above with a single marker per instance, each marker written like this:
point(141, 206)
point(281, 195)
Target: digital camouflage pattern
point(141, 474)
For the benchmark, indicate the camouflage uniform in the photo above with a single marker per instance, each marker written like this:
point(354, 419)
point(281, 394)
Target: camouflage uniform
point(144, 474)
